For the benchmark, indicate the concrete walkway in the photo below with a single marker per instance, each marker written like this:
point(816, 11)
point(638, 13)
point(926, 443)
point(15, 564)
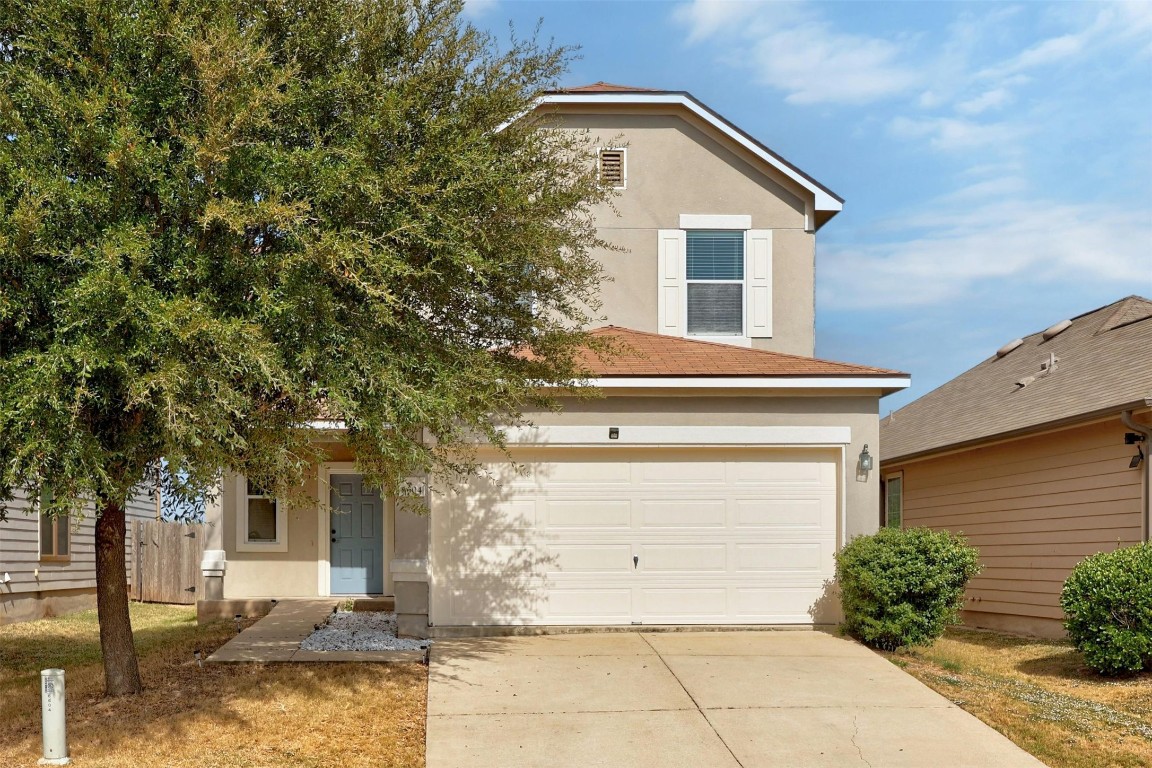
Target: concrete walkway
point(277, 638)
point(723, 699)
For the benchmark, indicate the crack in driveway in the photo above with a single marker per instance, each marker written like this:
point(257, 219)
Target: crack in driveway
point(695, 703)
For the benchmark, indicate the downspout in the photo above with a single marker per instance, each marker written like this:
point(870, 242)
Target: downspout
point(1146, 494)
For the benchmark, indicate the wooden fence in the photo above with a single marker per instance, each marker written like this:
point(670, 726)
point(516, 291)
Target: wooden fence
point(167, 567)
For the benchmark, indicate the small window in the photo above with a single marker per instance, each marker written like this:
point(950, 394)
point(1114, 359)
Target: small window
point(613, 172)
point(55, 532)
point(715, 282)
point(894, 501)
point(260, 519)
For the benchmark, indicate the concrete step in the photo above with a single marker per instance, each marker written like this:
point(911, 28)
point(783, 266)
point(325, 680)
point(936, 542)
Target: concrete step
point(374, 604)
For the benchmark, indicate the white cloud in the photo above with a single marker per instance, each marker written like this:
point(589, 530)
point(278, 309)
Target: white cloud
point(993, 99)
point(949, 133)
point(474, 9)
point(1006, 243)
point(792, 48)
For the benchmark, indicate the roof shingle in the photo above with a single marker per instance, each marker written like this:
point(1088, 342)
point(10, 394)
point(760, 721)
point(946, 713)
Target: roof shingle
point(651, 354)
point(1104, 362)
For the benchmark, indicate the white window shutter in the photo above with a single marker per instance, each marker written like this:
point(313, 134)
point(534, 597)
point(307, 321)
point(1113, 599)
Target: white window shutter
point(758, 275)
point(670, 282)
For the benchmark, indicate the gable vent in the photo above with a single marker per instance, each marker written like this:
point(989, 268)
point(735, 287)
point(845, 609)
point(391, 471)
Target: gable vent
point(612, 168)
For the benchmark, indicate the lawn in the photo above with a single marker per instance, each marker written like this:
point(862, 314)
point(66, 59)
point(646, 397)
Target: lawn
point(1039, 694)
point(212, 717)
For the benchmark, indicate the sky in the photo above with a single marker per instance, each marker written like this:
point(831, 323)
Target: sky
point(995, 158)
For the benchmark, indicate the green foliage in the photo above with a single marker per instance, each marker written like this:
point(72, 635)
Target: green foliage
point(218, 219)
point(1107, 603)
point(902, 587)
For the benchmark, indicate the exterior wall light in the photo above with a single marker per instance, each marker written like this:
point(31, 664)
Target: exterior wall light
point(865, 460)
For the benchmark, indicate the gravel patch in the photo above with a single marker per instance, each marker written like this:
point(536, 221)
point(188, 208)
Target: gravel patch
point(360, 631)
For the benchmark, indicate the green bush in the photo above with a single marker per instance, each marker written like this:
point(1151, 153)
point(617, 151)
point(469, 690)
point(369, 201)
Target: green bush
point(903, 587)
point(1107, 602)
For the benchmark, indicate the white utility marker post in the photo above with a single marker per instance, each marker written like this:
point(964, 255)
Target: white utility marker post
point(55, 728)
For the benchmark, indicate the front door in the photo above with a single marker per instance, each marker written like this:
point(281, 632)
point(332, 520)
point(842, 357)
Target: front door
point(357, 537)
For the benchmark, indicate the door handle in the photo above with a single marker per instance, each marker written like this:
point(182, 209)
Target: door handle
point(635, 561)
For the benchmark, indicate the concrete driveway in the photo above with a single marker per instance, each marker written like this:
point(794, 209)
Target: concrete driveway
point(695, 699)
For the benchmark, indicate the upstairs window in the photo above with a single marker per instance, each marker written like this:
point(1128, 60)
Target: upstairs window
point(715, 282)
point(613, 168)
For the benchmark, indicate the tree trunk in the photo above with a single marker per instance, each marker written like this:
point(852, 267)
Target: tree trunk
point(121, 672)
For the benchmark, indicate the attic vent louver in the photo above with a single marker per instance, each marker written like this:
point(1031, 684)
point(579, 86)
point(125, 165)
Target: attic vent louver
point(1009, 347)
point(1057, 329)
point(612, 173)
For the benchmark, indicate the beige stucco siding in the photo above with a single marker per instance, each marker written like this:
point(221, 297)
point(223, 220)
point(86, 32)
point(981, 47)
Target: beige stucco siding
point(1034, 507)
point(676, 165)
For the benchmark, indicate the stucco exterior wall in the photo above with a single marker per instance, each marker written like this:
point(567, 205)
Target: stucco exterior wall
point(1034, 507)
point(677, 165)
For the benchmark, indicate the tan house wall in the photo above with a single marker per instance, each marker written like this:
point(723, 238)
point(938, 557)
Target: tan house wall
point(1034, 507)
point(679, 165)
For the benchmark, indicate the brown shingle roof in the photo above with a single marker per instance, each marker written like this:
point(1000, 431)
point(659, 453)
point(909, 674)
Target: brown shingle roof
point(650, 354)
point(1104, 364)
point(602, 87)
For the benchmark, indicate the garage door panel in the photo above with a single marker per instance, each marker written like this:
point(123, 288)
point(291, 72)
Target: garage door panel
point(590, 558)
point(780, 604)
point(810, 513)
point(501, 603)
point(588, 513)
point(556, 474)
point(681, 604)
point(780, 557)
point(683, 558)
point(692, 513)
point(492, 514)
point(680, 473)
point(582, 606)
point(783, 473)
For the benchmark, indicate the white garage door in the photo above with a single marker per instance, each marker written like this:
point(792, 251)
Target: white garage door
point(625, 536)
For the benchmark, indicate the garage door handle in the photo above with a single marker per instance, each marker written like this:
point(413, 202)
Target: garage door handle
point(635, 561)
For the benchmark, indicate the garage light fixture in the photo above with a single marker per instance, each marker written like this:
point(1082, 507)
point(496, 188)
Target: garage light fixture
point(865, 460)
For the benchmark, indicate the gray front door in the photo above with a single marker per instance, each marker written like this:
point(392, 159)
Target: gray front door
point(357, 537)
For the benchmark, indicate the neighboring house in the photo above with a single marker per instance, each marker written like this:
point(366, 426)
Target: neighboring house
point(48, 567)
point(1039, 455)
point(713, 482)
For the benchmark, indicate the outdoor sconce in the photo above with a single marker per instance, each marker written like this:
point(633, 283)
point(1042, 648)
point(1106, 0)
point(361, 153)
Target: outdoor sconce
point(865, 460)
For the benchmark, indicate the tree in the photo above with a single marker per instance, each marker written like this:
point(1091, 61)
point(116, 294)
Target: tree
point(219, 219)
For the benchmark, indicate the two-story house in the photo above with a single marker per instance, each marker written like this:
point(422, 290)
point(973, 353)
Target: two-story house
point(711, 485)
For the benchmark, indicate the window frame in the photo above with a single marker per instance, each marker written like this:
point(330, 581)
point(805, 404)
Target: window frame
point(623, 167)
point(888, 479)
point(742, 282)
point(54, 556)
point(243, 499)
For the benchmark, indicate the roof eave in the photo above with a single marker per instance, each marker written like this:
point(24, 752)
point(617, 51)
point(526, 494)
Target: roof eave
point(1012, 434)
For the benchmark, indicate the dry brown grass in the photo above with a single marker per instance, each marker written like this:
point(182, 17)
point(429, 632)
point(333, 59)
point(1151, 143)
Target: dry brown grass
point(221, 715)
point(1040, 695)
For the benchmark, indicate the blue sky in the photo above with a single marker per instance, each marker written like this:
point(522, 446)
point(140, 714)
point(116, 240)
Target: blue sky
point(995, 158)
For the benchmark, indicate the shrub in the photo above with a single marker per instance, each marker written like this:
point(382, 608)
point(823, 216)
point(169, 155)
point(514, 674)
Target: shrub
point(1107, 602)
point(903, 587)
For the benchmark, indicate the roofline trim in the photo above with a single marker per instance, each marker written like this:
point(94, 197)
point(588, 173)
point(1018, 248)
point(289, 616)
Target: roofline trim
point(826, 199)
point(892, 383)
